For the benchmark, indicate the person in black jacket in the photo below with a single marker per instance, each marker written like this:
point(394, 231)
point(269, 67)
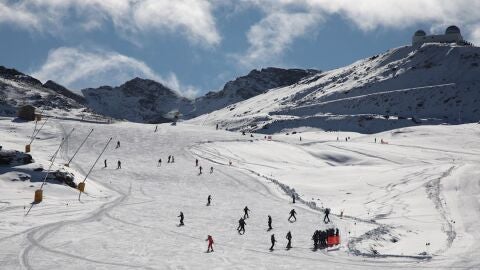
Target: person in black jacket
point(272, 240)
point(209, 200)
point(270, 223)
point(292, 215)
point(289, 238)
point(181, 219)
point(245, 211)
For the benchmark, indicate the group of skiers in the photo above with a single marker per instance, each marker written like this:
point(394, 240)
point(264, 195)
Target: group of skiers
point(320, 237)
point(119, 164)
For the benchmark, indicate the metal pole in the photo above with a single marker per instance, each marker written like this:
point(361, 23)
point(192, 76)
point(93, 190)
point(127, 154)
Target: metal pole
point(93, 166)
point(63, 141)
point(49, 167)
point(38, 131)
point(68, 164)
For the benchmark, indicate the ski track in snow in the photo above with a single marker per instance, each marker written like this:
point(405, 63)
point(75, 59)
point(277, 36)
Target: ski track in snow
point(126, 195)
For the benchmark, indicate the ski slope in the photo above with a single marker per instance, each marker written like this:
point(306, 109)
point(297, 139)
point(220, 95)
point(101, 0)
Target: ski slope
point(422, 187)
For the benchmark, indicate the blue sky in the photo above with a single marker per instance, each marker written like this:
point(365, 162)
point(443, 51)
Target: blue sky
point(195, 46)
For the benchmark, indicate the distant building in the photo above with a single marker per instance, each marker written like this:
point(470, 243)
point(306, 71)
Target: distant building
point(27, 112)
point(452, 35)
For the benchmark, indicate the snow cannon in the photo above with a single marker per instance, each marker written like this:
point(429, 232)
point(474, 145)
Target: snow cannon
point(27, 148)
point(38, 196)
point(81, 187)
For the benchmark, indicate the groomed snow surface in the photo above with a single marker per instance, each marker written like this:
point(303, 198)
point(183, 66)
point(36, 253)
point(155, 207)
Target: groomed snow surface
point(411, 203)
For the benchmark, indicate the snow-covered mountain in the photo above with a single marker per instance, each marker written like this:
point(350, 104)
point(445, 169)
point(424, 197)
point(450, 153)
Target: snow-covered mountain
point(18, 89)
point(245, 87)
point(434, 83)
point(138, 100)
point(141, 100)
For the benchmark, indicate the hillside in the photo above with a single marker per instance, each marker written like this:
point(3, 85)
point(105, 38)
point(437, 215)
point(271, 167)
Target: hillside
point(434, 83)
point(148, 101)
point(18, 89)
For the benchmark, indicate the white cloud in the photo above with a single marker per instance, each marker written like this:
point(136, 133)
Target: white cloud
point(193, 18)
point(287, 20)
point(270, 37)
point(78, 68)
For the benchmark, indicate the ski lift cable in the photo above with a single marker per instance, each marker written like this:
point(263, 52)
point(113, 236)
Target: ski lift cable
point(38, 131)
point(51, 164)
point(78, 149)
point(91, 168)
point(63, 142)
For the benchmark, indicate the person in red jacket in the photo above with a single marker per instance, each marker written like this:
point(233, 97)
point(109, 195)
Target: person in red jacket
point(210, 243)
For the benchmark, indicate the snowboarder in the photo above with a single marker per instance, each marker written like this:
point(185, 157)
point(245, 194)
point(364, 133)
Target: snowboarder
point(210, 243)
point(270, 223)
point(245, 211)
point(289, 238)
point(327, 212)
point(200, 170)
point(272, 239)
point(241, 226)
point(293, 198)
point(292, 215)
point(119, 164)
point(211, 170)
point(169, 158)
point(196, 163)
point(181, 219)
point(118, 144)
point(159, 163)
point(105, 163)
point(209, 200)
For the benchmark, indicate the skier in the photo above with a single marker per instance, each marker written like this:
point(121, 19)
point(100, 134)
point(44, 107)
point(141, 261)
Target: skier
point(159, 163)
point(209, 200)
point(270, 223)
point(105, 162)
point(210, 243)
point(196, 163)
point(118, 144)
point(272, 239)
point(156, 128)
point(293, 198)
point(216, 127)
point(292, 215)
point(169, 158)
point(327, 212)
point(315, 239)
point(173, 159)
point(245, 211)
point(200, 170)
point(241, 226)
point(289, 238)
point(211, 170)
point(230, 163)
point(119, 164)
point(300, 138)
point(181, 219)
point(375, 140)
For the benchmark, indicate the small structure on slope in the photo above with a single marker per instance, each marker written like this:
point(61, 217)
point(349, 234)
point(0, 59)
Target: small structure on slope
point(26, 112)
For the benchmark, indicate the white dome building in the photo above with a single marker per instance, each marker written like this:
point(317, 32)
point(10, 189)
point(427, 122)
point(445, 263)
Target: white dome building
point(452, 35)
